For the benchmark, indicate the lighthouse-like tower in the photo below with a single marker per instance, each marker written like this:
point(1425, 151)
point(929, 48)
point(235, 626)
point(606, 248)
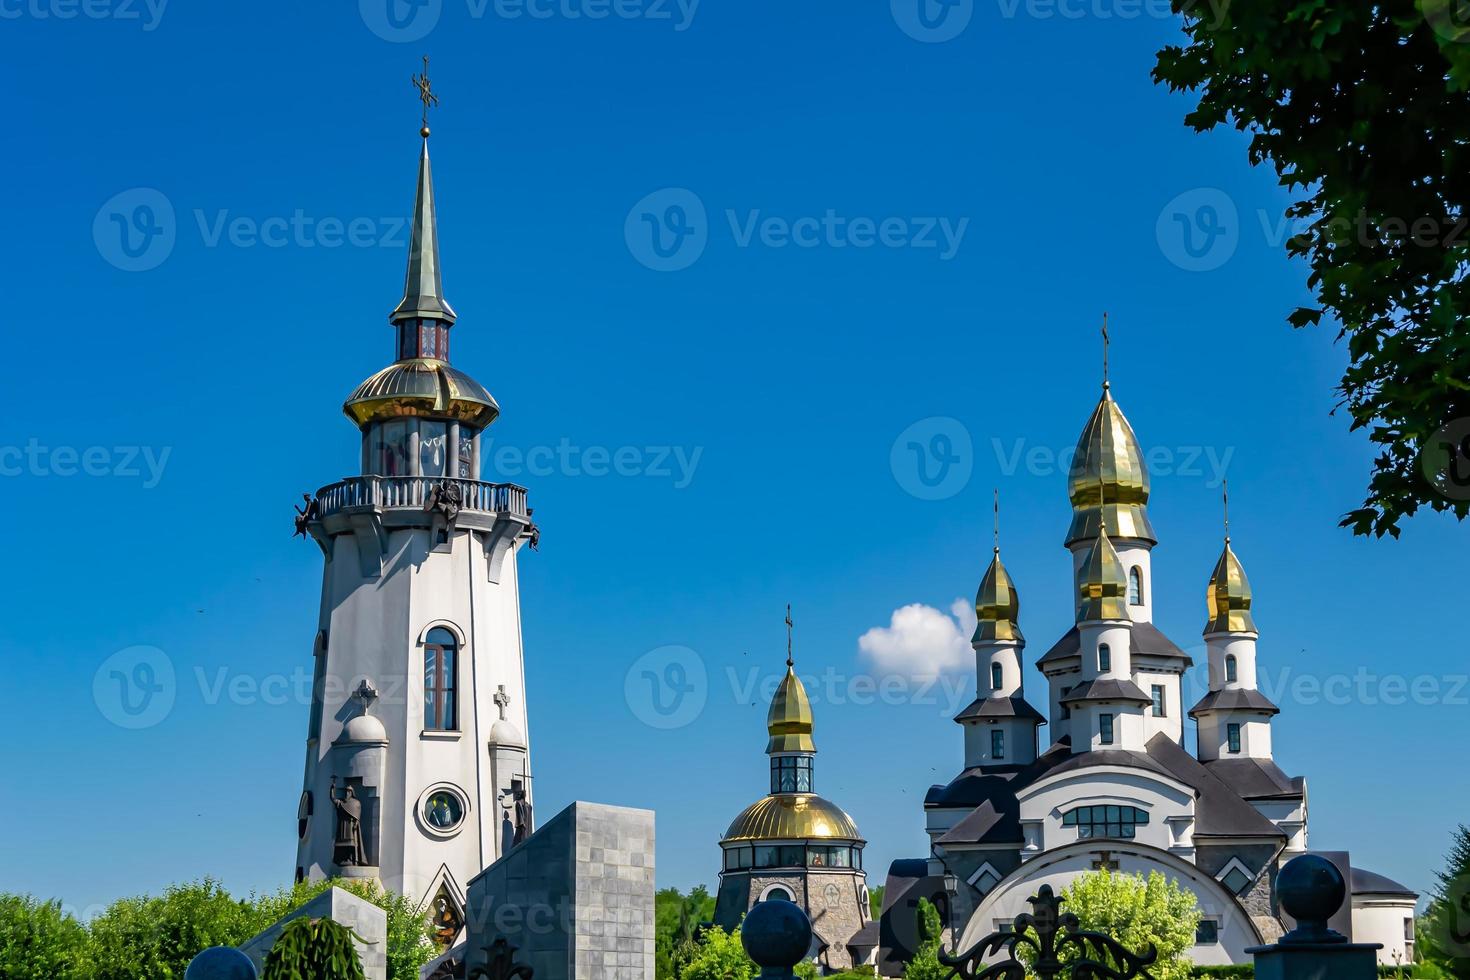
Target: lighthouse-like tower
point(417, 763)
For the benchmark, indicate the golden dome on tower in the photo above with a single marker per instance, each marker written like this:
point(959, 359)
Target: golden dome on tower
point(1108, 465)
point(1229, 596)
point(790, 719)
point(1102, 583)
point(997, 606)
point(792, 817)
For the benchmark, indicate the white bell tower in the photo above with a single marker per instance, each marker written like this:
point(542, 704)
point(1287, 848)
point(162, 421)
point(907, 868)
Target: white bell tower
point(417, 750)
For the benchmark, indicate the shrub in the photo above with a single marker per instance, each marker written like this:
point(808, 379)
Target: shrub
point(39, 941)
point(313, 949)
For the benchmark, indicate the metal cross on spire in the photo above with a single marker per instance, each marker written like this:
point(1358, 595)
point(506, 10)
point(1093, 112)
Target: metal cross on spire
point(996, 509)
point(790, 661)
point(1225, 500)
point(1106, 383)
point(426, 95)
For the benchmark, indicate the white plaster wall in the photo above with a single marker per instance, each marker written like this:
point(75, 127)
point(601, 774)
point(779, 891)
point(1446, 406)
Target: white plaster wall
point(1130, 553)
point(375, 628)
point(1240, 645)
point(1118, 636)
point(1172, 724)
point(1380, 919)
point(1020, 743)
point(1087, 730)
point(1167, 803)
point(1214, 735)
point(1007, 655)
point(1057, 683)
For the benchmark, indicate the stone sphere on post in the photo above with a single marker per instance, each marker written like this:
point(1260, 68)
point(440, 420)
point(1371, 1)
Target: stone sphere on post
point(776, 934)
point(1311, 890)
point(221, 963)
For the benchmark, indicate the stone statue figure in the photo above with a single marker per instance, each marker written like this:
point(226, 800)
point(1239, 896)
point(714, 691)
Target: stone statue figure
point(446, 499)
point(347, 851)
point(523, 815)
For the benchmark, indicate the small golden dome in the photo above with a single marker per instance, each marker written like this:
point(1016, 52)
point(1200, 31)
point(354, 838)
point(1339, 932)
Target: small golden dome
point(1108, 465)
point(1102, 583)
point(1229, 597)
point(790, 719)
point(792, 817)
point(423, 387)
point(997, 606)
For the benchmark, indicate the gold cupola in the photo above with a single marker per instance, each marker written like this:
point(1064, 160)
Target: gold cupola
point(997, 606)
point(1108, 465)
point(790, 719)
point(1102, 582)
point(1229, 596)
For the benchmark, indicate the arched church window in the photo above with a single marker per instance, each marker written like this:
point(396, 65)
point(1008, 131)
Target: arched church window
point(1106, 821)
point(997, 677)
point(1135, 586)
point(777, 893)
point(1232, 673)
point(441, 666)
point(1104, 658)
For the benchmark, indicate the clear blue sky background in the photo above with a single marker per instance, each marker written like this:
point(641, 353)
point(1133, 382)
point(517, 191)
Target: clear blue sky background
point(793, 371)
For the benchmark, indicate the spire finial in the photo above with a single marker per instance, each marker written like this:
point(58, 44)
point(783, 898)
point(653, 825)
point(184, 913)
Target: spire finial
point(997, 520)
point(1225, 499)
point(790, 661)
point(1106, 383)
point(426, 96)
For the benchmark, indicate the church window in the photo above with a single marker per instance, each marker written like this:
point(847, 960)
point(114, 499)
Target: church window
point(1105, 729)
point(388, 448)
point(1104, 658)
point(776, 894)
point(791, 774)
point(467, 453)
point(1232, 735)
point(986, 882)
point(443, 810)
point(1158, 698)
point(828, 857)
point(441, 663)
point(737, 858)
point(1207, 933)
point(1106, 821)
point(433, 445)
point(997, 677)
point(1231, 672)
point(1135, 586)
point(997, 743)
point(1237, 881)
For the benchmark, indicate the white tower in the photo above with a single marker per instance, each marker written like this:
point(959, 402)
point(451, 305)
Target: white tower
point(1000, 726)
point(416, 751)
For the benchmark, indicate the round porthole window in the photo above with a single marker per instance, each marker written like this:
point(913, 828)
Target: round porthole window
point(441, 811)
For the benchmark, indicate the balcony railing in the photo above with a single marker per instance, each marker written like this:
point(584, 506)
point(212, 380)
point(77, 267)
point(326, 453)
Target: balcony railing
point(386, 492)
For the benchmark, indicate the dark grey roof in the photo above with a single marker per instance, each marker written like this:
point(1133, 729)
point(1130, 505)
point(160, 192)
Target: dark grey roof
point(1367, 883)
point(1218, 810)
point(1147, 641)
point(988, 823)
point(1256, 779)
point(867, 936)
point(898, 934)
point(1235, 699)
point(1106, 689)
point(1012, 707)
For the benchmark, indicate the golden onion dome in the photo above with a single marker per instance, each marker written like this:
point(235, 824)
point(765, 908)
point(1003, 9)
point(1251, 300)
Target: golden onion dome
point(790, 719)
point(997, 606)
point(422, 387)
point(1108, 465)
point(1229, 596)
point(1102, 583)
point(792, 817)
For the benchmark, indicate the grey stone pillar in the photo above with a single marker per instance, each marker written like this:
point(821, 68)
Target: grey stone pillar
point(1311, 890)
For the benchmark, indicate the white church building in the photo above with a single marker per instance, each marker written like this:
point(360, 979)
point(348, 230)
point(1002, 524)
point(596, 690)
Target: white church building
point(1116, 787)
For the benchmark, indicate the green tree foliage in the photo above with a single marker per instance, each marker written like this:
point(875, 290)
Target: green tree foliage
point(720, 957)
point(313, 949)
point(676, 921)
point(1444, 935)
point(1362, 109)
point(925, 965)
point(410, 936)
point(1137, 912)
point(875, 901)
point(39, 939)
point(154, 938)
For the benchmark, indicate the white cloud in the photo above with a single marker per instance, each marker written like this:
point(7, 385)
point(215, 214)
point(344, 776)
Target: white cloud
point(921, 641)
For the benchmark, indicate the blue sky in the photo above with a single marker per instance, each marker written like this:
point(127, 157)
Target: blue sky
point(784, 370)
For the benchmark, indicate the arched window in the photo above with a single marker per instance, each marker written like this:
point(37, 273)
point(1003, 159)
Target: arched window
point(997, 677)
point(777, 893)
point(1106, 821)
point(441, 666)
point(1232, 674)
point(1104, 658)
point(1135, 586)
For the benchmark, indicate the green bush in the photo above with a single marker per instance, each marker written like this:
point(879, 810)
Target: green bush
point(38, 939)
point(155, 938)
point(720, 957)
point(313, 949)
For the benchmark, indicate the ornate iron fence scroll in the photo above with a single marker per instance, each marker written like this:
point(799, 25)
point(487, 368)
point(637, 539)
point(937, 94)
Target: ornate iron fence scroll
point(1055, 933)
